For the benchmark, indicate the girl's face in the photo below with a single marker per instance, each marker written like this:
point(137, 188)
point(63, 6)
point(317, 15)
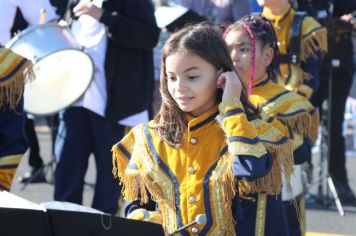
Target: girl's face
point(240, 49)
point(268, 3)
point(191, 82)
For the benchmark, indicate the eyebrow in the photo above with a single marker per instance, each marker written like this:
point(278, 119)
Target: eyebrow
point(239, 44)
point(187, 70)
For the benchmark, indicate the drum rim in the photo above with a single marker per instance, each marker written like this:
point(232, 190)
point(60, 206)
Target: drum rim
point(31, 28)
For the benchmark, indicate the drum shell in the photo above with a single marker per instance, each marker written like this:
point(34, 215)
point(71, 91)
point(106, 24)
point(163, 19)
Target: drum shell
point(63, 71)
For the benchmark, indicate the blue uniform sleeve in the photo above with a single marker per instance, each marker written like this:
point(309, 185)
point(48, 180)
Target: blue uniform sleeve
point(135, 205)
point(303, 152)
point(312, 66)
point(13, 139)
point(251, 168)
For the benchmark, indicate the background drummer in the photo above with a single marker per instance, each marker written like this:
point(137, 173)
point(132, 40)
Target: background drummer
point(121, 49)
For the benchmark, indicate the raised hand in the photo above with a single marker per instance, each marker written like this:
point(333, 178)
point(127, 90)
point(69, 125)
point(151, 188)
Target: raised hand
point(230, 83)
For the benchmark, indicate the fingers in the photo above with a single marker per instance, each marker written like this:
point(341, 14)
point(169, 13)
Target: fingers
point(230, 83)
point(88, 8)
point(221, 81)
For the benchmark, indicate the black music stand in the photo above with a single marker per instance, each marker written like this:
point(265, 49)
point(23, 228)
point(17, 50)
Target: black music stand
point(70, 223)
point(19, 222)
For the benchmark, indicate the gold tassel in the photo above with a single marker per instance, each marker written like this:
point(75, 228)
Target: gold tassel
point(229, 193)
point(306, 125)
point(314, 127)
point(282, 162)
point(316, 41)
point(130, 180)
point(11, 90)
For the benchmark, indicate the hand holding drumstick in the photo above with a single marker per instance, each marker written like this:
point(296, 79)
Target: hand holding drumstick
point(88, 8)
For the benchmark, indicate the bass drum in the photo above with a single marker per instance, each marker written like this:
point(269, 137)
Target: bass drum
point(62, 70)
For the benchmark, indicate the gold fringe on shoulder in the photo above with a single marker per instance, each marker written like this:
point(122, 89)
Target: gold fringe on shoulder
point(314, 42)
point(15, 71)
point(306, 125)
point(314, 127)
point(136, 183)
point(282, 163)
point(128, 179)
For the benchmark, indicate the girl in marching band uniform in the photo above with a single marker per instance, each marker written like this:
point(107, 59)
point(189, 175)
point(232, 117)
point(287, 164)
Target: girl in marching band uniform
point(253, 47)
point(13, 140)
point(184, 161)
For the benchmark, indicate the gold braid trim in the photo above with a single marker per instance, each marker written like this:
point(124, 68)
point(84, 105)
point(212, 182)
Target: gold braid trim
point(314, 42)
point(225, 182)
point(228, 102)
point(261, 215)
point(282, 162)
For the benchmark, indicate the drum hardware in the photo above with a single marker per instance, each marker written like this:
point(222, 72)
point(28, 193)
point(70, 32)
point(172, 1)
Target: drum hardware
point(326, 192)
point(63, 71)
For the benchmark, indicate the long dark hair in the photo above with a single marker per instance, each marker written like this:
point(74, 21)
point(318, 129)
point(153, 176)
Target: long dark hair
point(204, 40)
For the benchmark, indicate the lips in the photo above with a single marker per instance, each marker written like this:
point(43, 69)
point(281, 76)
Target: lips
point(184, 98)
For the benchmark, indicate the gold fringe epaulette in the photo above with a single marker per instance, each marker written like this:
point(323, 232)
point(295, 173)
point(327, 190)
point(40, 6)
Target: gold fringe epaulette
point(281, 149)
point(314, 39)
point(292, 109)
point(136, 184)
point(15, 70)
point(306, 124)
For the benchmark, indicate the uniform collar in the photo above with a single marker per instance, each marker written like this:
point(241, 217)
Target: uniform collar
point(261, 81)
point(277, 18)
point(202, 121)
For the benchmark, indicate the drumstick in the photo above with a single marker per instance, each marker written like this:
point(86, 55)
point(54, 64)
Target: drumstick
point(42, 16)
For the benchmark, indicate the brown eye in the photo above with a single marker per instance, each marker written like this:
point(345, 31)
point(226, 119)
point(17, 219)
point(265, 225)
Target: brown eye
point(171, 78)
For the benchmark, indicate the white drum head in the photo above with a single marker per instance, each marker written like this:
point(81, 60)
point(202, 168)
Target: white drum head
point(61, 78)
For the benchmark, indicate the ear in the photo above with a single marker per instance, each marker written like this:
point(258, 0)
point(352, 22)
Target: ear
point(268, 54)
point(218, 73)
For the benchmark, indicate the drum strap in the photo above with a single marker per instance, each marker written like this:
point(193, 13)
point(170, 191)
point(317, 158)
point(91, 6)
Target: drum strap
point(293, 51)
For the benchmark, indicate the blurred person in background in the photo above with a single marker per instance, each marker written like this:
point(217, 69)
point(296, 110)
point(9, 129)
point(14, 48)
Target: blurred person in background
point(119, 37)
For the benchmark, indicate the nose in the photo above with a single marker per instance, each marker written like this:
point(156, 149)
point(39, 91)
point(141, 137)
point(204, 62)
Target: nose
point(234, 55)
point(180, 84)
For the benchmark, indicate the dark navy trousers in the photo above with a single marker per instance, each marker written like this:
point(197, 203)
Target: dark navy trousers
point(81, 132)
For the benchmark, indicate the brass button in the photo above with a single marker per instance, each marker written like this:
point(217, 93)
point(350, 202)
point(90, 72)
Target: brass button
point(192, 199)
point(193, 140)
point(195, 230)
point(191, 170)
